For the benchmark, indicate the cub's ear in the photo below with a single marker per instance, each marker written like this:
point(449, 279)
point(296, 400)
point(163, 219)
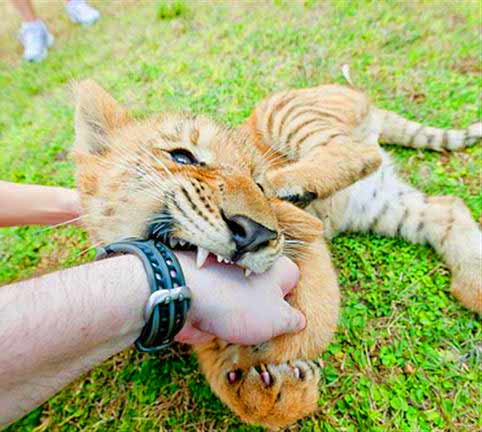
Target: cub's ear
point(97, 114)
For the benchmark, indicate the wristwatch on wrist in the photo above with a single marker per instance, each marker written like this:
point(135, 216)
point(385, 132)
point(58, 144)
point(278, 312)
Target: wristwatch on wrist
point(166, 310)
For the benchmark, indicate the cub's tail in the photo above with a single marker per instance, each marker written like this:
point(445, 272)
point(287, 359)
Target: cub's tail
point(398, 130)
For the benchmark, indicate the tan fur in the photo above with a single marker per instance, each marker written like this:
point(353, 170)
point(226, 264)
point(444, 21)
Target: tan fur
point(309, 129)
point(126, 179)
point(307, 146)
point(288, 398)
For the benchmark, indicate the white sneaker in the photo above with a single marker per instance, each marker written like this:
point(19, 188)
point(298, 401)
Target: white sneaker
point(80, 12)
point(36, 40)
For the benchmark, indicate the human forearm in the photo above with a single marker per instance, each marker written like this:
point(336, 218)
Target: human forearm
point(101, 305)
point(23, 204)
point(54, 328)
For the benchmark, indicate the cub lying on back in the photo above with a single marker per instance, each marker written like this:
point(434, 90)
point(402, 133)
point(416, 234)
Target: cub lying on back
point(306, 131)
point(209, 182)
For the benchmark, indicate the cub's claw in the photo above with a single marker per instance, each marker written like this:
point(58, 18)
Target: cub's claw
point(299, 370)
point(294, 193)
point(273, 395)
point(266, 378)
point(234, 375)
point(265, 375)
point(302, 201)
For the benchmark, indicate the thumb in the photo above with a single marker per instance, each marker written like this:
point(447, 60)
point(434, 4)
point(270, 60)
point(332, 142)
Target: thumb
point(285, 273)
point(291, 321)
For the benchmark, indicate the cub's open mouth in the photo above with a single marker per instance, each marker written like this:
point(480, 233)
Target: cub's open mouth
point(161, 232)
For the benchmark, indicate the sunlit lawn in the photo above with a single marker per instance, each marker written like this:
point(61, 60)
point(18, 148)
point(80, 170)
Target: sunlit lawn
point(407, 356)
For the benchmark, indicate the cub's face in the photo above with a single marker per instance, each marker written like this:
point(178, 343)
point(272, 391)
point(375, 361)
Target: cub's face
point(180, 178)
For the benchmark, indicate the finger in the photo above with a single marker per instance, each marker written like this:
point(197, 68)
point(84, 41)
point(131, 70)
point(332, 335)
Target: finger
point(192, 335)
point(285, 273)
point(292, 321)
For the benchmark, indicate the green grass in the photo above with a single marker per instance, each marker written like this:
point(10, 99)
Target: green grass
point(406, 355)
point(171, 10)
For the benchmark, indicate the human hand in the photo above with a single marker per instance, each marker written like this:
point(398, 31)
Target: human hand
point(237, 309)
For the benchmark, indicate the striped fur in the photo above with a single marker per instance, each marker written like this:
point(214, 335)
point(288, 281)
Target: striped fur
point(315, 145)
point(308, 133)
point(128, 179)
point(395, 129)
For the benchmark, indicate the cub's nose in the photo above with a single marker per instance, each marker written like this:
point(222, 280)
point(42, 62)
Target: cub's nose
point(248, 235)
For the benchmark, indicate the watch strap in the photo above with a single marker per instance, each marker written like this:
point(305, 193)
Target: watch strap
point(166, 310)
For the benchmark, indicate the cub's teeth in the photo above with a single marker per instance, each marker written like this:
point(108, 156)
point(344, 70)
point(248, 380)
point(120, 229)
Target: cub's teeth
point(202, 256)
point(173, 242)
point(247, 272)
point(220, 258)
point(182, 242)
point(227, 261)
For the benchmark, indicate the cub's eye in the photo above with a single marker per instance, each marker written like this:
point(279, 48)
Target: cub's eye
point(183, 157)
point(260, 186)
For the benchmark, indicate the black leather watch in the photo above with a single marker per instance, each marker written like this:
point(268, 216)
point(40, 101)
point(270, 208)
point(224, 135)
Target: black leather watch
point(166, 310)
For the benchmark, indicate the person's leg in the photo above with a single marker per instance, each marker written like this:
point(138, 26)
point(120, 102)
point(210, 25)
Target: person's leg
point(79, 11)
point(34, 35)
point(25, 10)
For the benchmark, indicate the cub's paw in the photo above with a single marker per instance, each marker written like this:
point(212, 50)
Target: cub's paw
point(275, 395)
point(285, 187)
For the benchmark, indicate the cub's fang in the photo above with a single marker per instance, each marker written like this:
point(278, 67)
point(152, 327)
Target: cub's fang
point(202, 256)
point(182, 242)
point(247, 272)
point(172, 242)
point(220, 258)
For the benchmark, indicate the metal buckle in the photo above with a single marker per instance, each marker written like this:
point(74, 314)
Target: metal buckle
point(165, 296)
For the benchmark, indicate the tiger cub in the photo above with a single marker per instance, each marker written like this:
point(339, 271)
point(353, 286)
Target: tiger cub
point(203, 179)
point(309, 142)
